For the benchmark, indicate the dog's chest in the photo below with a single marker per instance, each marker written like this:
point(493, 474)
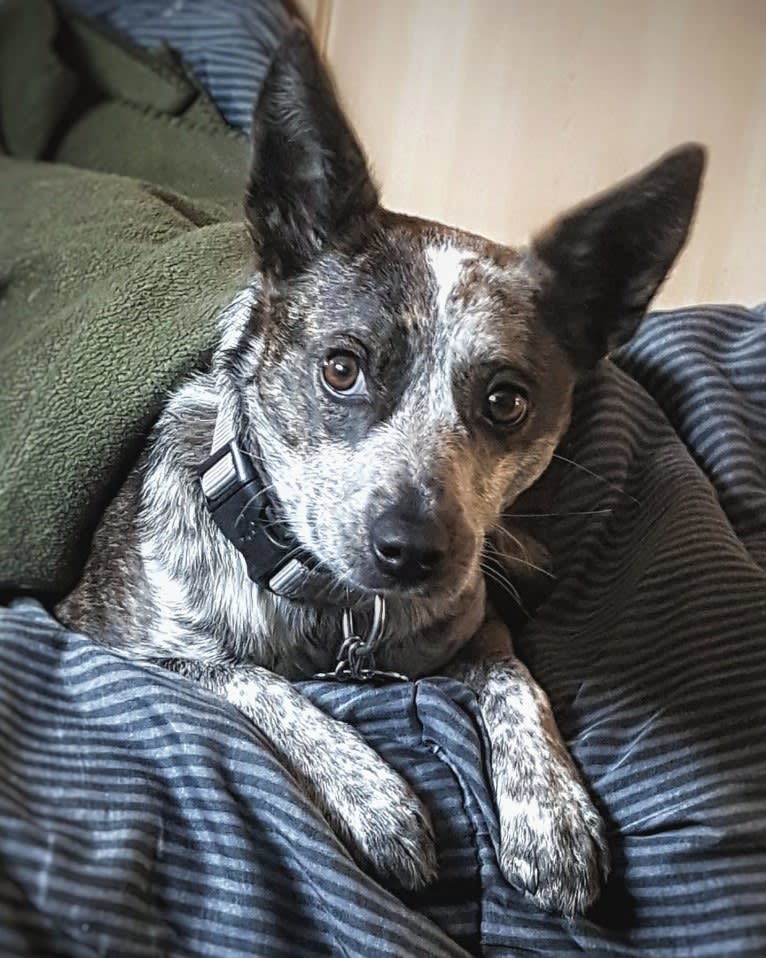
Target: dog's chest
point(225, 618)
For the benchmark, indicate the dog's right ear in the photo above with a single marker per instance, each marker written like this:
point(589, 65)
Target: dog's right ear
point(606, 258)
point(309, 182)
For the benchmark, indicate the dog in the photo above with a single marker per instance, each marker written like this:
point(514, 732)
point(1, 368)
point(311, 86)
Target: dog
point(321, 499)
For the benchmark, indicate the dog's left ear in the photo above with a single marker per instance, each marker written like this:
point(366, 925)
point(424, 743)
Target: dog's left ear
point(604, 261)
point(309, 182)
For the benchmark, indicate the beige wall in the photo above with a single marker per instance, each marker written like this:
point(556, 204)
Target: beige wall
point(495, 114)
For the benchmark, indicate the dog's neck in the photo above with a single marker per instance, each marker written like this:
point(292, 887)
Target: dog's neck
point(240, 497)
point(199, 581)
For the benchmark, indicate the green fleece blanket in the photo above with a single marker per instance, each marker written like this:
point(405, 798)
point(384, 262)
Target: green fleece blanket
point(109, 284)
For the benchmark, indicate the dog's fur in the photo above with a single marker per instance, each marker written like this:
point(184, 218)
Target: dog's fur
point(439, 318)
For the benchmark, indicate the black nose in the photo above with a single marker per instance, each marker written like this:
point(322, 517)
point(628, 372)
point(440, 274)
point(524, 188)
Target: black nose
point(406, 546)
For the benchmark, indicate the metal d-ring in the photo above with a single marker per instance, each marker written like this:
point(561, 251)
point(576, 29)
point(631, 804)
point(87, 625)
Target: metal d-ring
point(355, 650)
point(367, 645)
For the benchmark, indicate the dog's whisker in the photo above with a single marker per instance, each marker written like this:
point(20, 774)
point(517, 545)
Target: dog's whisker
point(505, 585)
point(531, 565)
point(498, 575)
point(554, 515)
point(293, 552)
point(510, 557)
point(340, 585)
point(493, 550)
point(254, 498)
point(248, 452)
point(273, 524)
point(337, 586)
point(590, 472)
point(509, 535)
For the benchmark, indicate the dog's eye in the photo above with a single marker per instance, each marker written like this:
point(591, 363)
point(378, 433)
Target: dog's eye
point(342, 374)
point(507, 405)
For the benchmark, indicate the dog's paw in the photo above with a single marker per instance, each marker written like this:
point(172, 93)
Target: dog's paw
point(372, 809)
point(552, 843)
point(552, 839)
point(369, 806)
point(390, 828)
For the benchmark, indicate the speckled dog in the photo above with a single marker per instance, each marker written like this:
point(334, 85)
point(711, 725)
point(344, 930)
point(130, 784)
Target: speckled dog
point(395, 384)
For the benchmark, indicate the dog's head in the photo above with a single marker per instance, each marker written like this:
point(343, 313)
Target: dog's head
point(405, 380)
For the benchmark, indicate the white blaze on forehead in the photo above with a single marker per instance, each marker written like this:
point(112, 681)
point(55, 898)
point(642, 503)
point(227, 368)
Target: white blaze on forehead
point(446, 263)
point(475, 329)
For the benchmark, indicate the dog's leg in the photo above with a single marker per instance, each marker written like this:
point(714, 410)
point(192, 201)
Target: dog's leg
point(552, 842)
point(371, 808)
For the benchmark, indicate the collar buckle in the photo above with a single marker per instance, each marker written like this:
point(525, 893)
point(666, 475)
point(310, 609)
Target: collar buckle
point(236, 498)
point(237, 495)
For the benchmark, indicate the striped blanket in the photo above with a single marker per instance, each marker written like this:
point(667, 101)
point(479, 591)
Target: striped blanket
point(141, 817)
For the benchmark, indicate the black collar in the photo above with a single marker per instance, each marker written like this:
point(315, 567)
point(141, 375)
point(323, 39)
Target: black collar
point(237, 493)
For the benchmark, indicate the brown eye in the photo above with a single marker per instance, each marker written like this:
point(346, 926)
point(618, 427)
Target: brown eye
point(342, 373)
point(507, 405)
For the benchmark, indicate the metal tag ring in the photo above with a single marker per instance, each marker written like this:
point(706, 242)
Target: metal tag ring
point(376, 628)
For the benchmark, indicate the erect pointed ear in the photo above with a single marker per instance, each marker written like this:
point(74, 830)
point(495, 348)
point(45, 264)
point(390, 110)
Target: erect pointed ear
point(604, 261)
point(309, 181)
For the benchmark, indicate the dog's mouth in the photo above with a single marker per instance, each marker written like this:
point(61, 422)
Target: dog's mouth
point(439, 585)
point(378, 585)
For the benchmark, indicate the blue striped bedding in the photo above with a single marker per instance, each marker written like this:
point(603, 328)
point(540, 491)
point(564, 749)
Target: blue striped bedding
point(143, 817)
point(139, 816)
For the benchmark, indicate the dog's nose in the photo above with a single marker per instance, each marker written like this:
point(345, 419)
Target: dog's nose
point(406, 546)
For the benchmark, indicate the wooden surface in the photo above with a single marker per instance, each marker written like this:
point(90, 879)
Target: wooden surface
point(496, 115)
point(317, 14)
